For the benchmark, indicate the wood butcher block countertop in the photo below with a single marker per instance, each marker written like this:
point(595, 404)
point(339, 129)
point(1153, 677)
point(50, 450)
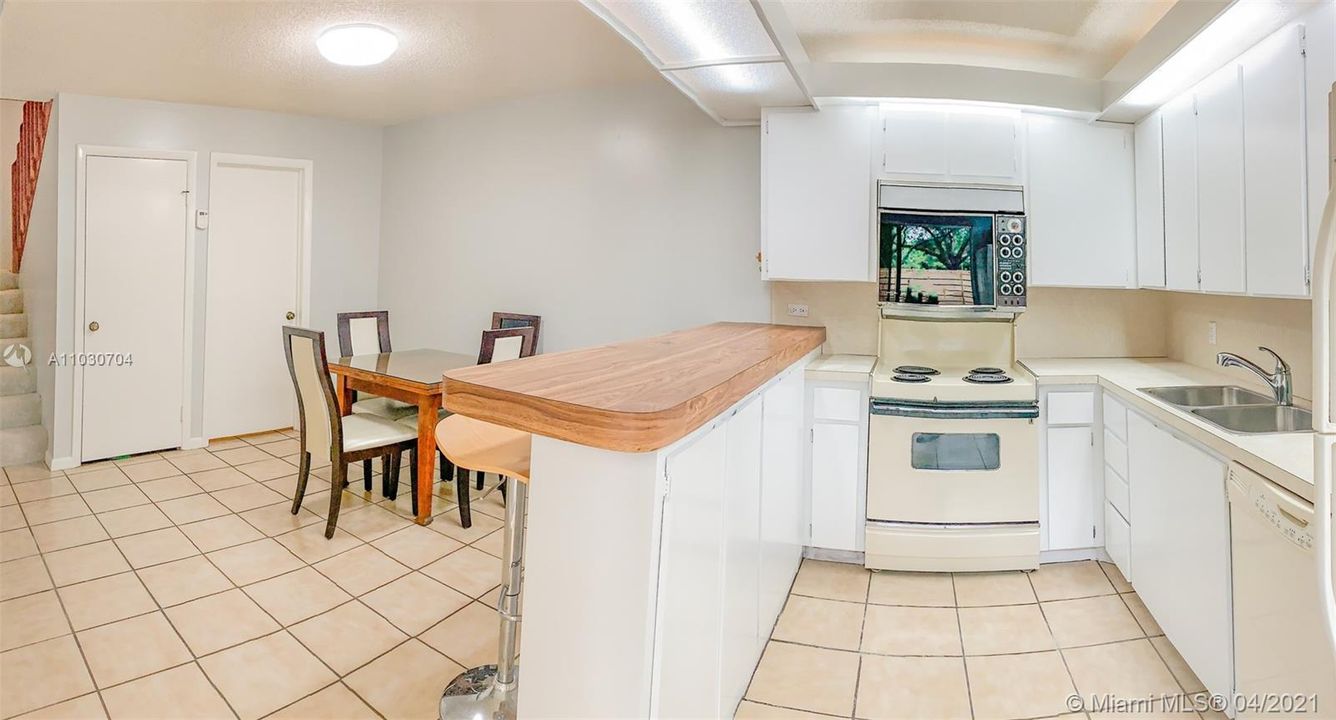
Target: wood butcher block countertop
point(635, 396)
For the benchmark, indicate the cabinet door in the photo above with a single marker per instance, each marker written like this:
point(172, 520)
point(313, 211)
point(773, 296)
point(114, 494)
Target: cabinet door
point(742, 555)
point(783, 506)
point(835, 521)
point(1149, 148)
point(1273, 152)
point(816, 194)
point(982, 146)
point(1071, 488)
point(688, 633)
point(1081, 202)
point(914, 142)
point(1180, 548)
point(1220, 181)
point(1179, 123)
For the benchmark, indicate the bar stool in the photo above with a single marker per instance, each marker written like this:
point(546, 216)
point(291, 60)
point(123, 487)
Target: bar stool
point(490, 691)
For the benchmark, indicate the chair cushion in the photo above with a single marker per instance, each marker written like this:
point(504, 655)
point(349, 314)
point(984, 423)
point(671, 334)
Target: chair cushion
point(412, 421)
point(361, 432)
point(384, 407)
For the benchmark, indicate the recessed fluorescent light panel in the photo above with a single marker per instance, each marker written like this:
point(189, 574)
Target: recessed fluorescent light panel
point(357, 44)
point(1233, 31)
point(717, 52)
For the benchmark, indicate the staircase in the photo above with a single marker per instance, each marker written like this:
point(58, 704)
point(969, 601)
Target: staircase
point(22, 438)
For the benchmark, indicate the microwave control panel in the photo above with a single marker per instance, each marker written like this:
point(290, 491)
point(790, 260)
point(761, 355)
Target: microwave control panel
point(1010, 257)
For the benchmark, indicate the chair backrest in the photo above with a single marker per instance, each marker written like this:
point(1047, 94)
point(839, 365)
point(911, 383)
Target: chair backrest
point(507, 344)
point(321, 427)
point(505, 321)
point(364, 333)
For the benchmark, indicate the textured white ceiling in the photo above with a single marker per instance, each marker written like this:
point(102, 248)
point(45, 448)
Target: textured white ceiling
point(1075, 38)
point(452, 53)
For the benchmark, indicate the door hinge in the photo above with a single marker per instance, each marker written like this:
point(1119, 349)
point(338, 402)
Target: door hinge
point(1092, 438)
point(667, 483)
point(811, 435)
point(1092, 532)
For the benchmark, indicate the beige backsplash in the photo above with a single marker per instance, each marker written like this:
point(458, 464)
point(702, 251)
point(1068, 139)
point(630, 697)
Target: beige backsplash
point(1241, 325)
point(1072, 322)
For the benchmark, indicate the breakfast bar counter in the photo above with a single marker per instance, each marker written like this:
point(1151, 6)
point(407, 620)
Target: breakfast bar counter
point(665, 513)
point(634, 396)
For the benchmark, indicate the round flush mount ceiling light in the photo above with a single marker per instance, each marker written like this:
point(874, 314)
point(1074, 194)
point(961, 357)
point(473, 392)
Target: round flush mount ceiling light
point(357, 44)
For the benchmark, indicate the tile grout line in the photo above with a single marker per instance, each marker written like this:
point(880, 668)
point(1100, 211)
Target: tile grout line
point(960, 627)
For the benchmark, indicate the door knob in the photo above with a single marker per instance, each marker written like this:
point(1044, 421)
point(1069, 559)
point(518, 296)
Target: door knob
point(93, 326)
point(292, 316)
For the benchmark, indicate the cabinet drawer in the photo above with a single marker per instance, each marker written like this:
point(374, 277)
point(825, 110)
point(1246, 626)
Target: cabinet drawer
point(1115, 417)
point(1115, 453)
point(1071, 408)
point(1118, 540)
point(1117, 492)
point(830, 403)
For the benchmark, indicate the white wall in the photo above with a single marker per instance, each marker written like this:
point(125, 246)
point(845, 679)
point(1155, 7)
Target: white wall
point(616, 213)
point(347, 161)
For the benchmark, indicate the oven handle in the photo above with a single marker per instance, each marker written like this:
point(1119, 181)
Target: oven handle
point(967, 412)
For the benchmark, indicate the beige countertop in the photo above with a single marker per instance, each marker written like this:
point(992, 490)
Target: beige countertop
point(838, 368)
point(1284, 458)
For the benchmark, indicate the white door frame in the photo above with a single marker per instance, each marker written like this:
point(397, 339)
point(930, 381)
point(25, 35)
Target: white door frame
point(307, 170)
point(83, 152)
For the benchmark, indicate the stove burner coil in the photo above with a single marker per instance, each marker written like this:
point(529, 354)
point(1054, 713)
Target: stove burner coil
point(916, 370)
point(987, 371)
point(987, 379)
point(910, 378)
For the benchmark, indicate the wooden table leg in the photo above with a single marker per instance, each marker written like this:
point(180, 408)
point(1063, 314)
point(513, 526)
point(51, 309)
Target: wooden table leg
point(343, 394)
point(428, 408)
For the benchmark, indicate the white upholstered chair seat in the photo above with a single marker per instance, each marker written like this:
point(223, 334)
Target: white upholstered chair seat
point(367, 431)
point(384, 407)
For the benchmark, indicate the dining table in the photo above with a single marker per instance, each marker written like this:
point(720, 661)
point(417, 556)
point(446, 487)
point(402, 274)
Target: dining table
point(410, 376)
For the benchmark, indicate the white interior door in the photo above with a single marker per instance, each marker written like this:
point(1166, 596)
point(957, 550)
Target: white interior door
point(258, 220)
point(134, 277)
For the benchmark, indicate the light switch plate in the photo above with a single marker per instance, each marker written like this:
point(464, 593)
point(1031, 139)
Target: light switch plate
point(796, 310)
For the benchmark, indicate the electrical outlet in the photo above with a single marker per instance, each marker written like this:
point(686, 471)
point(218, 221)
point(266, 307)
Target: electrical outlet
point(797, 310)
point(1210, 332)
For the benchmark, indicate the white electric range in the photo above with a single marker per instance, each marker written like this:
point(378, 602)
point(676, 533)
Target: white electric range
point(953, 454)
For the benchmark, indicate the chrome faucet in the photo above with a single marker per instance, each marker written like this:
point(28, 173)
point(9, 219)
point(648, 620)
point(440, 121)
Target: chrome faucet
point(1281, 380)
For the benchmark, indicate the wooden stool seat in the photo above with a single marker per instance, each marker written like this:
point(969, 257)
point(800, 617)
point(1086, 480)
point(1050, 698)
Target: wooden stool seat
point(484, 447)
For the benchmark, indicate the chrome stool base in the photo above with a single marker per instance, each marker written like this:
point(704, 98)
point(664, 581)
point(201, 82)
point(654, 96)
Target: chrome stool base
point(489, 692)
point(474, 694)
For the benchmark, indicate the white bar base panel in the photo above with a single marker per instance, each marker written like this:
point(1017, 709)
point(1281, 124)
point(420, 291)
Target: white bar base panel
point(962, 548)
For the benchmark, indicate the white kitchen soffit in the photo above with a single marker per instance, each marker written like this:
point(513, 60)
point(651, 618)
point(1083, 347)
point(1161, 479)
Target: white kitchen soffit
point(717, 52)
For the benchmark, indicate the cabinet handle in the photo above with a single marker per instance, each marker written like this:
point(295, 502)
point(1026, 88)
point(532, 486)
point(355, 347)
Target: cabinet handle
point(93, 326)
point(291, 316)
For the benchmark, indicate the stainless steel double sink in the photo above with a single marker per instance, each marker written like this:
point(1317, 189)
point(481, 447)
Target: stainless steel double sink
point(1235, 409)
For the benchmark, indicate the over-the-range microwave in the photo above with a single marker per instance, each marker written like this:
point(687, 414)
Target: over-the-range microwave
point(951, 248)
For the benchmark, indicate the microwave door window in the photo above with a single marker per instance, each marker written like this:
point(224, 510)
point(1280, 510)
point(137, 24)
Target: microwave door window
point(937, 259)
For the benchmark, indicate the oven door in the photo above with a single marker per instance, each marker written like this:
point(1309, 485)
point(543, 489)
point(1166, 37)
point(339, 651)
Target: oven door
point(952, 465)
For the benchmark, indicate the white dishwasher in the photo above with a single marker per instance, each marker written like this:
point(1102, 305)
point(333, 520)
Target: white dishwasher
point(1280, 654)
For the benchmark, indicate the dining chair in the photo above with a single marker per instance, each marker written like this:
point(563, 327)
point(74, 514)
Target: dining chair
point(346, 439)
point(506, 321)
point(498, 345)
point(367, 332)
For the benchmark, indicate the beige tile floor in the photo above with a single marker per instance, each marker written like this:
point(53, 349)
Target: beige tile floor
point(855, 644)
point(178, 585)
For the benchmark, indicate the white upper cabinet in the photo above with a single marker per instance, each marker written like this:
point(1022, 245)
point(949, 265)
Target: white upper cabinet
point(1273, 152)
point(1149, 150)
point(1180, 193)
point(1082, 210)
point(965, 145)
point(1220, 182)
point(817, 194)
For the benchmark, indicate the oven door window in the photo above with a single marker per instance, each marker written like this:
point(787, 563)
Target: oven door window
point(929, 259)
point(955, 451)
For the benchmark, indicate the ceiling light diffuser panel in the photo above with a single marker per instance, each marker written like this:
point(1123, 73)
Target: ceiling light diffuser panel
point(718, 52)
point(735, 94)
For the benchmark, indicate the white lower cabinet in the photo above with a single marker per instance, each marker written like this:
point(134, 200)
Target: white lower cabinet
point(1180, 547)
point(730, 547)
point(837, 464)
point(1072, 502)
